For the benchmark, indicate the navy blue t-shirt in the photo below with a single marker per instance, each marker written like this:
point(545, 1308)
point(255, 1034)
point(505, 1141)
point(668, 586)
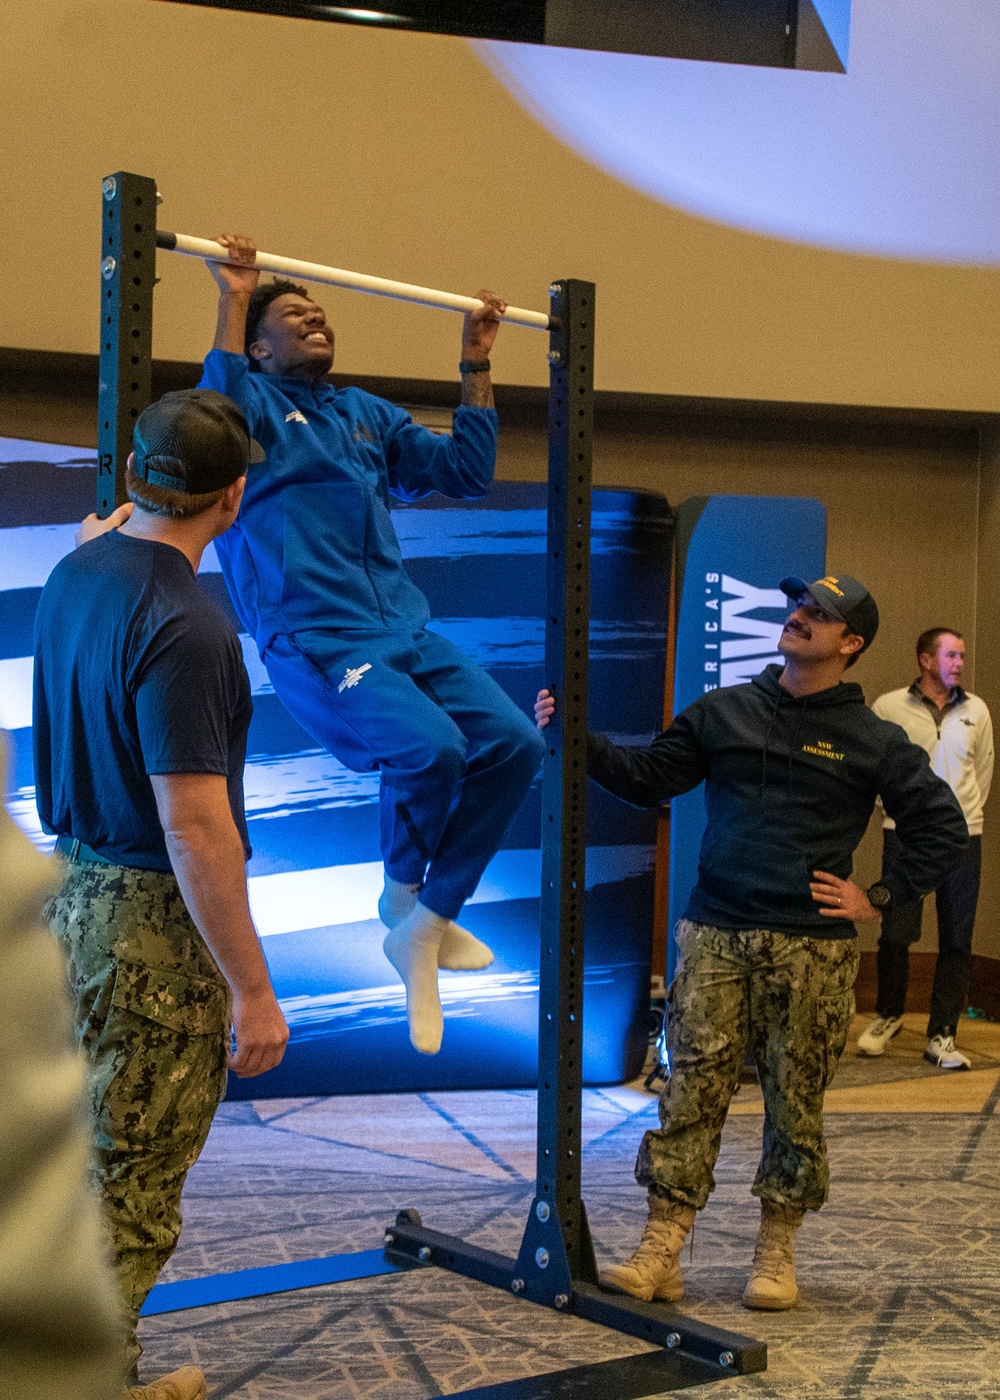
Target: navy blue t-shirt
point(137, 672)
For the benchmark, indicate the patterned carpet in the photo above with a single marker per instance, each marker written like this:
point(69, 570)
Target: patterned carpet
point(900, 1274)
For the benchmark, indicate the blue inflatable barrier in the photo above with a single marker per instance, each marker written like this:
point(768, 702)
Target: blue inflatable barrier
point(316, 872)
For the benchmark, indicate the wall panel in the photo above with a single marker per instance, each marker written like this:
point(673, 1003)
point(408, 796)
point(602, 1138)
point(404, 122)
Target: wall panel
point(400, 154)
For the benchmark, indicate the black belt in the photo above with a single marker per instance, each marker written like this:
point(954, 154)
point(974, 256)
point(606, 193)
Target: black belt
point(80, 853)
point(77, 851)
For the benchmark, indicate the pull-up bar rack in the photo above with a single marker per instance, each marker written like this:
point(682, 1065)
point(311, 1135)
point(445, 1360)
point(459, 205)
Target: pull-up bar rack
point(555, 1266)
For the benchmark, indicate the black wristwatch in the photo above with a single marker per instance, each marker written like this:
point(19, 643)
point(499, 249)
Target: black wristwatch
point(879, 896)
point(473, 366)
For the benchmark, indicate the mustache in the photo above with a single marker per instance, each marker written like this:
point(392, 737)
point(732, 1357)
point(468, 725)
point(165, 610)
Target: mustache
point(798, 630)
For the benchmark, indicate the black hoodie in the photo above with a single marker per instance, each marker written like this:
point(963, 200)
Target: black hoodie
point(790, 785)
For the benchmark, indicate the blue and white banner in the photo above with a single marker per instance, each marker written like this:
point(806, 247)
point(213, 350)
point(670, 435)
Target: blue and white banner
point(732, 552)
point(316, 874)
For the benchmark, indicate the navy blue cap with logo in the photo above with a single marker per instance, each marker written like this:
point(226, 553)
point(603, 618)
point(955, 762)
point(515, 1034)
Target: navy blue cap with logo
point(194, 441)
point(842, 597)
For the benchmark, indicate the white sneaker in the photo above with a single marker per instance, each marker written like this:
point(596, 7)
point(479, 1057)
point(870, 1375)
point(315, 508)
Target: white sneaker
point(941, 1051)
point(873, 1040)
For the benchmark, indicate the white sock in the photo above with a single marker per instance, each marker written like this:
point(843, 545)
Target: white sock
point(461, 951)
point(396, 901)
point(412, 947)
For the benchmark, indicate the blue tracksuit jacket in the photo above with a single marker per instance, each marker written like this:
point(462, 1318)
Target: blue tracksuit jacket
point(314, 547)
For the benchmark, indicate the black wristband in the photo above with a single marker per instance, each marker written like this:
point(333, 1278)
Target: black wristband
point(473, 366)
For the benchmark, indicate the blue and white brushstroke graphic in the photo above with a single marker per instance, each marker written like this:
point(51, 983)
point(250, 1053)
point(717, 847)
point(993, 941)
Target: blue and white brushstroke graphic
point(316, 874)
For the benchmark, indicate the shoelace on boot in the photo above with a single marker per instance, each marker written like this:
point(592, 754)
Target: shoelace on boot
point(773, 1259)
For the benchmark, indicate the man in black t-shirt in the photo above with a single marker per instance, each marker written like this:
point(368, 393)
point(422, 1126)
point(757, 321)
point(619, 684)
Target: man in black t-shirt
point(141, 710)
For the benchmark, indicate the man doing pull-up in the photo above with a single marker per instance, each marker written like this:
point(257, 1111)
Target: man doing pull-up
point(316, 574)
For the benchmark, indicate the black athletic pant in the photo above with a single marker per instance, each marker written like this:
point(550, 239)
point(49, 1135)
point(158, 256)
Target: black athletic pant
point(956, 902)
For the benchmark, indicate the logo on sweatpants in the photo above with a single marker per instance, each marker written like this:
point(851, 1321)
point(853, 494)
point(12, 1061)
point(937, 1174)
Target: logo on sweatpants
point(296, 417)
point(352, 675)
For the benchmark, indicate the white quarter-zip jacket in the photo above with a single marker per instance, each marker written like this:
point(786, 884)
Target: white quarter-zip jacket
point(958, 740)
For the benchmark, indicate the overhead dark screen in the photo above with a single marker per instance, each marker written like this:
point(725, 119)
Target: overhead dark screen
point(764, 33)
point(757, 32)
point(519, 20)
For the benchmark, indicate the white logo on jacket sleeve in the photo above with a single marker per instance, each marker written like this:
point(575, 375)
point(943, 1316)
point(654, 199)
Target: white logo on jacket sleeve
point(296, 417)
point(352, 675)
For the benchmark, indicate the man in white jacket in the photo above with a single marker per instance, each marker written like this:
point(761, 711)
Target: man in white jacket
point(955, 729)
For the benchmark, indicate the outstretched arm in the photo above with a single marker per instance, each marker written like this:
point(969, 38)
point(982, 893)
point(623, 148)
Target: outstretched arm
point(235, 287)
point(673, 763)
point(479, 331)
point(461, 464)
point(227, 368)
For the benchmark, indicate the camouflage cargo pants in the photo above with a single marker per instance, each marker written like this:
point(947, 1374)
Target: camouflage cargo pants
point(794, 998)
point(152, 1017)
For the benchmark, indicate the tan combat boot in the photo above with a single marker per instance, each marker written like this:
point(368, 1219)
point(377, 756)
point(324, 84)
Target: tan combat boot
point(186, 1384)
point(654, 1271)
point(772, 1286)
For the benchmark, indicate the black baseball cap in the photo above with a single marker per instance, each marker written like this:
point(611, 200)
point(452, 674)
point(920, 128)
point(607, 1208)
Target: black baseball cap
point(193, 440)
point(844, 598)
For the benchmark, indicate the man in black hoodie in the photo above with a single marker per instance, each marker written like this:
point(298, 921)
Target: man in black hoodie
point(792, 765)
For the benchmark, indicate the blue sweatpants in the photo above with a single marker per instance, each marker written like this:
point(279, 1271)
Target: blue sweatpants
point(455, 753)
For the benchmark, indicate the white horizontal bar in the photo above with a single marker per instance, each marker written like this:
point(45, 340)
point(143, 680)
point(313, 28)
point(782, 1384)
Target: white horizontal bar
point(354, 281)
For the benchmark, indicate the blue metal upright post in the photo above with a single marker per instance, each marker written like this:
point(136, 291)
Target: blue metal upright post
point(128, 274)
point(557, 1246)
